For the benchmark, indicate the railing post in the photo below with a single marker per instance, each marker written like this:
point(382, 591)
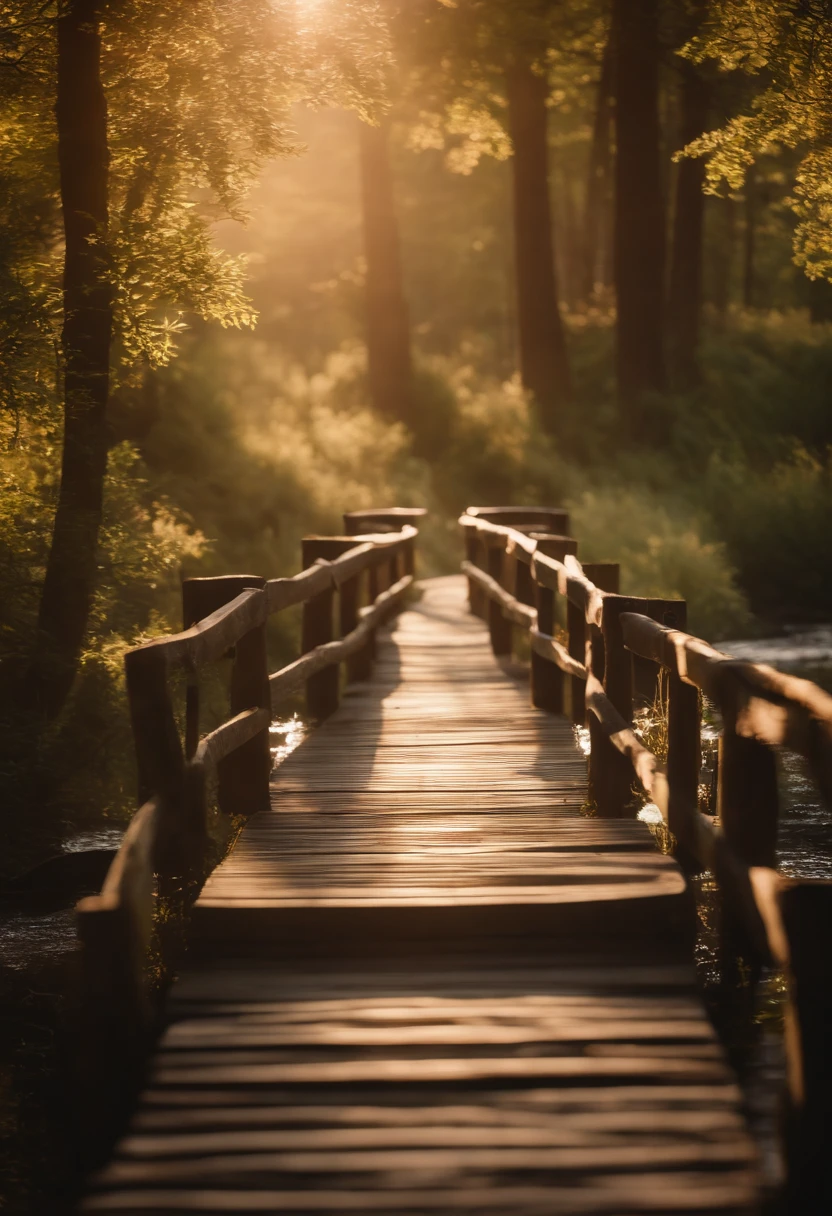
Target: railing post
point(323, 688)
point(581, 637)
point(807, 917)
point(475, 595)
point(646, 674)
point(480, 559)
point(683, 762)
point(160, 760)
point(547, 679)
point(576, 631)
point(373, 590)
point(498, 626)
point(747, 795)
point(409, 557)
point(243, 775)
point(523, 585)
point(358, 665)
point(611, 774)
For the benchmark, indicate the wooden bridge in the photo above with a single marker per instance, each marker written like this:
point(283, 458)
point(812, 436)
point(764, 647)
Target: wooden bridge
point(437, 972)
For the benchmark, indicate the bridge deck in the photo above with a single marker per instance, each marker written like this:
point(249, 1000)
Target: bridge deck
point(426, 983)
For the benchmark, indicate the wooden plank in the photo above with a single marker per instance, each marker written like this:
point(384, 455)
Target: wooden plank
point(423, 982)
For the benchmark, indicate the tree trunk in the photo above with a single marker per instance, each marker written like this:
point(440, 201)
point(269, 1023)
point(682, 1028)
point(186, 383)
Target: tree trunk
point(83, 158)
point(544, 367)
point(639, 209)
point(749, 248)
point(722, 244)
point(388, 326)
point(684, 308)
point(596, 219)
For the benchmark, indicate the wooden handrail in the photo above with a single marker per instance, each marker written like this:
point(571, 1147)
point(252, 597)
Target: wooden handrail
point(211, 638)
point(239, 627)
point(367, 552)
point(232, 734)
point(168, 834)
point(776, 709)
point(291, 677)
point(608, 635)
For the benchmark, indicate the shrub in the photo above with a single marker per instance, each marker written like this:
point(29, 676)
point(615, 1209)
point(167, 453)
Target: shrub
point(777, 524)
point(663, 553)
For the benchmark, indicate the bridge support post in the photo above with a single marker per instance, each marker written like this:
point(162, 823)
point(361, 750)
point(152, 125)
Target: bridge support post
point(161, 762)
point(683, 762)
point(243, 775)
point(473, 552)
point(647, 676)
point(747, 797)
point(576, 629)
point(586, 643)
point(748, 812)
point(358, 665)
point(807, 916)
point(610, 773)
point(547, 679)
point(323, 688)
point(498, 626)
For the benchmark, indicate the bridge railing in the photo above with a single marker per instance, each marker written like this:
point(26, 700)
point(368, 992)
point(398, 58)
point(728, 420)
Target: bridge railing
point(613, 648)
point(227, 617)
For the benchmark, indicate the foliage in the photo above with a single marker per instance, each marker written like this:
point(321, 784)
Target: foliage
point(788, 49)
point(664, 552)
point(198, 97)
point(454, 58)
point(82, 766)
point(776, 523)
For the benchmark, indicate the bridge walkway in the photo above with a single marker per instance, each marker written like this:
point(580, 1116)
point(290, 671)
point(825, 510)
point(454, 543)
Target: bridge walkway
point(426, 982)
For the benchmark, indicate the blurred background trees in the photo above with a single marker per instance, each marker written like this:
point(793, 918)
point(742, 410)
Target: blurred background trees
point(261, 260)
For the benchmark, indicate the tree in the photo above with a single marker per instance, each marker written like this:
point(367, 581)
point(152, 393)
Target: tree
point(388, 328)
point(484, 71)
point(597, 238)
point(749, 238)
point(160, 127)
point(83, 158)
point(788, 50)
point(639, 207)
point(684, 304)
point(544, 366)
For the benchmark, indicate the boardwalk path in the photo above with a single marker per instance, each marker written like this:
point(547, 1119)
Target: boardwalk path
point(425, 983)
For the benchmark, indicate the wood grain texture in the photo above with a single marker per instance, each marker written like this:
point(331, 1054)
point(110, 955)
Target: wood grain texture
point(424, 982)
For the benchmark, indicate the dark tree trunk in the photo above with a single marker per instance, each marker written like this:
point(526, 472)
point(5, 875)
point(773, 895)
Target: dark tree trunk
point(69, 584)
point(724, 215)
point(544, 367)
point(684, 308)
point(388, 326)
point(572, 261)
point(639, 209)
point(749, 247)
point(598, 191)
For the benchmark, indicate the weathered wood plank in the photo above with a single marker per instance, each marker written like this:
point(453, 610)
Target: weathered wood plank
point(423, 982)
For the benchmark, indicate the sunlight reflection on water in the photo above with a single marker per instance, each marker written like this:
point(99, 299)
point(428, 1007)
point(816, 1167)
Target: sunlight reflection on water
point(102, 838)
point(26, 939)
point(286, 734)
point(582, 739)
